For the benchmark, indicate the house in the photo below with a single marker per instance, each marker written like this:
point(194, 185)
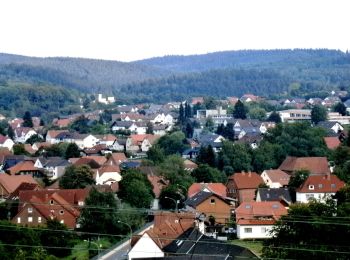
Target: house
point(96, 150)
point(167, 227)
point(242, 186)
point(206, 113)
point(318, 187)
point(107, 140)
point(22, 134)
point(197, 100)
point(275, 178)
point(211, 139)
point(249, 98)
point(52, 136)
point(118, 145)
point(25, 167)
point(62, 122)
point(36, 207)
point(140, 143)
point(16, 123)
point(316, 165)
point(54, 167)
point(158, 183)
point(189, 165)
point(337, 117)
point(40, 145)
point(124, 126)
point(212, 205)
point(217, 188)
point(116, 159)
point(134, 117)
point(106, 100)
point(10, 160)
point(6, 142)
point(107, 175)
point(331, 128)
point(256, 219)
point(332, 142)
point(295, 115)
point(127, 109)
point(278, 194)
point(9, 183)
point(84, 140)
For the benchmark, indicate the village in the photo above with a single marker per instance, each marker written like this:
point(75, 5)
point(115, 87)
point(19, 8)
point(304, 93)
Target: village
point(203, 172)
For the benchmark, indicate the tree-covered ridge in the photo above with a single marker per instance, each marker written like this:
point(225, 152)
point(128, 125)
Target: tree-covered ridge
point(88, 75)
point(40, 100)
point(249, 59)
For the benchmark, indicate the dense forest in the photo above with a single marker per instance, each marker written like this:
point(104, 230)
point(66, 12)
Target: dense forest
point(278, 73)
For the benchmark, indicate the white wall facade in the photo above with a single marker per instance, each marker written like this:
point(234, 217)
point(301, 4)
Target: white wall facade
point(268, 182)
point(305, 197)
point(253, 231)
point(145, 248)
point(111, 176)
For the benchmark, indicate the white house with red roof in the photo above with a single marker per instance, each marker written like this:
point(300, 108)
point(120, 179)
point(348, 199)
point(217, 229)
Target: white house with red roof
point(318, 187)
point(256, 219)
point(6, 142)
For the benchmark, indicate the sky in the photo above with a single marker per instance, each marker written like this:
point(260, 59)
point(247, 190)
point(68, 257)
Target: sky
point(137, 29)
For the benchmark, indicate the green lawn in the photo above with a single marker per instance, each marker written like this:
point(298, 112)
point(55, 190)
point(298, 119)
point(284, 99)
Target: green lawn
point(253, 245)
point(80, 251)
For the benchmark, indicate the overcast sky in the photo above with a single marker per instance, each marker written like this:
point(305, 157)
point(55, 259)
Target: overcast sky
point(136, 29)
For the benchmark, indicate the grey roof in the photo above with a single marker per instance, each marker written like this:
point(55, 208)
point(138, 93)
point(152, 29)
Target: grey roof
point(267, 194)
point(347, 103)
point(125, 124)
point(201, 196)
point(207, 138)
point(326, 124)
point(54, 162)
point(193, 243)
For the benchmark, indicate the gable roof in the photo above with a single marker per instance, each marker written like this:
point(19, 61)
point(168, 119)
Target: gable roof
point(260, 212)
point(116, 158)
point(201, 196)
point(218, 188)
point(26, 165)
point(321, 184)
point(11, 182)
point(267, 194)
point(246, 180)
point(278, 176)
point(316, 165)
point(137, 139)
point(158, 184)
point(55, 133)
point(332, 142)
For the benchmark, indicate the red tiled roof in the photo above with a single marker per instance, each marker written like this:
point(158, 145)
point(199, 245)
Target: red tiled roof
point(247, 180)
point(332, 142)
point(137, 139)
point(278, 176)
point(3, 139)
point(321, 184)
point(190, 165)
point(117, 158)
point(23, 166)
point(217, 188)
point(62, 122)
point(29, 149)
point(158, 184)
point(11, 182)
point(109, 168)
point(316, 165)
point(264, 210)
point(55, 133)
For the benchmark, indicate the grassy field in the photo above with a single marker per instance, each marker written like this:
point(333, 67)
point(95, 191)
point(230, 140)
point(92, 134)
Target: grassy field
point(81, 252)
point(253, 245)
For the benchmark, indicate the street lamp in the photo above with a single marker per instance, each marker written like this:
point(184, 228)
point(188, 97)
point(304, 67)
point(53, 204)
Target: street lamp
point(119, 221)
point(98, 246)
point(175, 201)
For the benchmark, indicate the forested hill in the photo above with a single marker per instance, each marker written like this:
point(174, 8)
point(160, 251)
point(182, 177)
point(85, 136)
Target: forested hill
point(248, 59)
point(86, 75)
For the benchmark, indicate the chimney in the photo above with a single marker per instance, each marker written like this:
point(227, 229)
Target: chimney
point(250, 174)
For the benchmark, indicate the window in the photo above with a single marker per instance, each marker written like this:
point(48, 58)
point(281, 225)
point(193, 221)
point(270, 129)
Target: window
point(18, 220)
point(320, 186)
point(30, 219)
point(61, 212)
point(333, 185)
point(263, 230)
point(212, 201)
point(81, 203)
point(30, 210)
point(248, 230)
point(247, 206)
point(309, 196)
point(39, 219)
point(62, 221)
point(311, 187)
point(51, 202)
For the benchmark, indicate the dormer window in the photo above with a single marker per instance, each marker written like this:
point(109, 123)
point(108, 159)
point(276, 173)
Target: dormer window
point(311, 187)
point(333, 185)
point(212, 201)
point(320, 186)
point(51, 202)
point(247, 206)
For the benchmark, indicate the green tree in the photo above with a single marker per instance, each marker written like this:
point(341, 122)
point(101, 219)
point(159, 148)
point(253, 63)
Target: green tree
point(155, 154)
point(72, 151)
point(34, 139)
point(149, 128)
point(238, 156)
point(274, 117)
point(104, 220)
point(207, 155)
point(181, 114)
point(10, 132)
point(136, 189)
point(318, 114)
point(257, 113)
point(172, 143)
point(171, 197)
point(18, 149)
point(77, 177)
point(27, 120)
point(298, 178)
point(207, 174)
point(80, 125)
point(240, 110)
point(340, 108)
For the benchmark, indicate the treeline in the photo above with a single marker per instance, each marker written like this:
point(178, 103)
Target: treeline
point(42, 100)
